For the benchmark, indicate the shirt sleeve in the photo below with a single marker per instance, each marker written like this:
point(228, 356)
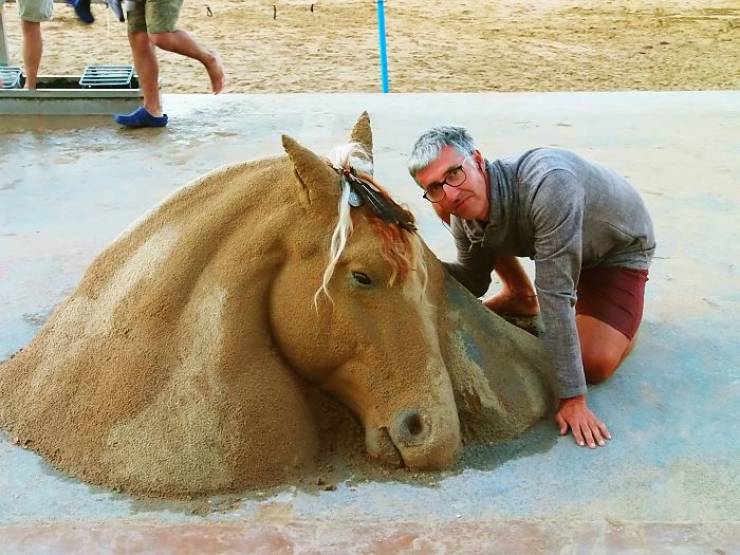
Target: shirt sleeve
point(557, 217)
point(474, 264)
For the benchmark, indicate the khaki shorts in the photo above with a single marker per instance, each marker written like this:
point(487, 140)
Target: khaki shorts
point(34, 10)
point(154, 16)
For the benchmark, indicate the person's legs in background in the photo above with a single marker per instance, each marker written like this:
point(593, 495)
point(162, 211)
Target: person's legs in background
point(32, 13)
point(147, 68)
point(153, 23)
point(183, 43)
point(161, 24)
point(116, 6)
point(33, 47)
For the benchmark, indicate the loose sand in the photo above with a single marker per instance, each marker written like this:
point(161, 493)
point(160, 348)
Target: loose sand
point(480, 45)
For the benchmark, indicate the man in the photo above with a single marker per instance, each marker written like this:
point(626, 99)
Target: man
point(588, 232)
point(154, 23)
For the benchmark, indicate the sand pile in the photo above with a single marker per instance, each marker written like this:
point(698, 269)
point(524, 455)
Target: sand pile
point(189, 359)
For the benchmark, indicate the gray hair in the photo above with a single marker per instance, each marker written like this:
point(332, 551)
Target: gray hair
point(429, 145)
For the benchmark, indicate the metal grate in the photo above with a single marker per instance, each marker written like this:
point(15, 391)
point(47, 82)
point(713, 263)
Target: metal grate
point(107, 76)
point(10, 77)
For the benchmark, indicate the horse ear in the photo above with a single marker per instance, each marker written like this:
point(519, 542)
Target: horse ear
point(362, 134)
point(312, 171)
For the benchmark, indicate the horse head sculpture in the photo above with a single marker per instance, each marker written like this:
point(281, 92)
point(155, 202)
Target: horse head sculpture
point(368, 337)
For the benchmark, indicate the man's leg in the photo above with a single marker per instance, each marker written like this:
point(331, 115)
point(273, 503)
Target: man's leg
point(33, 47)
point(147, 68)
point(183, 43)
point(608, 316)
point(603, 348)
point(32, 13)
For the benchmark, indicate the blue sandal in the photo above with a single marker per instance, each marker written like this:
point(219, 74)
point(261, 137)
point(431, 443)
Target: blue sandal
point(140, 118)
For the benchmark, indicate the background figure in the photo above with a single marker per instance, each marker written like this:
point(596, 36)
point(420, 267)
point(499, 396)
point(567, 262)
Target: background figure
point(32, 13)
point(153, 23)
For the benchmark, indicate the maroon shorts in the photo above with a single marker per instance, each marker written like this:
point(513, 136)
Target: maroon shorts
point(614, 295)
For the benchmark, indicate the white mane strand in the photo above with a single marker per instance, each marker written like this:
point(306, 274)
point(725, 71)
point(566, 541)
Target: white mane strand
point(355, 156)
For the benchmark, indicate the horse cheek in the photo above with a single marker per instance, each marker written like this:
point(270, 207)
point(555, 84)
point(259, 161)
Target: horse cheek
point(301, 329)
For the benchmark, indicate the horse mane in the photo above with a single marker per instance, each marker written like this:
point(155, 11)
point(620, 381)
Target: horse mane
point(398, 245)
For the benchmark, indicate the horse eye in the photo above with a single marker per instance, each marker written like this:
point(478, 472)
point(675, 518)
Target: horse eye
point(362, 279)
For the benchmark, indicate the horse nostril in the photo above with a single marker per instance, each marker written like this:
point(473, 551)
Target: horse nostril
point(412, 427)
point(413, 424)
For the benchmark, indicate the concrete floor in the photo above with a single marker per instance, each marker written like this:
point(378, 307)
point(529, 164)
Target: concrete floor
point(667, 483)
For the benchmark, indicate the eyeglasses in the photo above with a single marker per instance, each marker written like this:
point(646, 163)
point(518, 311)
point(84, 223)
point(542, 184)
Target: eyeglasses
point(454, 178)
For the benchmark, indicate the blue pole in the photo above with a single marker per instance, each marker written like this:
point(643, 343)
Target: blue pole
point(381, 40)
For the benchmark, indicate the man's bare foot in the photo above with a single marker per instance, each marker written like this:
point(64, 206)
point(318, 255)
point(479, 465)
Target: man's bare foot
point(215, 71)
point(505, 302)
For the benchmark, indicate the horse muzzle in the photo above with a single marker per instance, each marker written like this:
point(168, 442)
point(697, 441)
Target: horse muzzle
point(416, 439)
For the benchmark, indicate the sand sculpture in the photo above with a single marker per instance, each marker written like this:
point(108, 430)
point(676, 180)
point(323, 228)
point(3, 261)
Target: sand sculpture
point(183, 362)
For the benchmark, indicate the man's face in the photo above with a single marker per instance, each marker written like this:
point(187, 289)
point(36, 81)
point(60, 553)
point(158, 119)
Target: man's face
point(470, 199)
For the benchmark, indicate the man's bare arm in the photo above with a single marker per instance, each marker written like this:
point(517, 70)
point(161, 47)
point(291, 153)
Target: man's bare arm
point(517, 295)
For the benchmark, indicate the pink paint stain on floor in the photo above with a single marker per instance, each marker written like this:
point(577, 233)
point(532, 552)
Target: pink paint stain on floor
point(311, 537)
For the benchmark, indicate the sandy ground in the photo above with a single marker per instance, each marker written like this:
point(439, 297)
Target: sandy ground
point(481, 45)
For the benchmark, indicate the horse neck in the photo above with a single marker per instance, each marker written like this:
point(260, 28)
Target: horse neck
point(222, 199)
point(189, 229)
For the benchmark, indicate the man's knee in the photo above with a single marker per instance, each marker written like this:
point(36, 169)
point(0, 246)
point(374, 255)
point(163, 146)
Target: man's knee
point(139, 40)
point(602, 348)
point(160, 40)
point(600, 366)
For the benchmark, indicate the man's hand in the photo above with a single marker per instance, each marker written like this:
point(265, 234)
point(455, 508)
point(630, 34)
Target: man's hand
point(506, 302)
point(588, 430)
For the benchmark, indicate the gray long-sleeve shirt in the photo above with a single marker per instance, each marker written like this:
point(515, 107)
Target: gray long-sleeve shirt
point(567, 214)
